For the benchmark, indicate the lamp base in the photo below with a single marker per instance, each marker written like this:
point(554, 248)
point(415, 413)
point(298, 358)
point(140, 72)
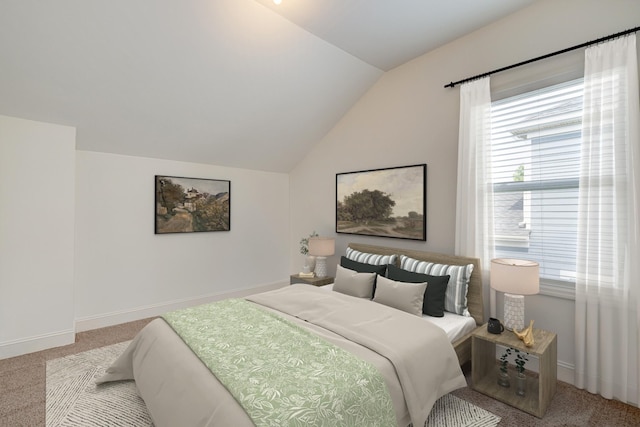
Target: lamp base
point(513, 312)
point(321, 266)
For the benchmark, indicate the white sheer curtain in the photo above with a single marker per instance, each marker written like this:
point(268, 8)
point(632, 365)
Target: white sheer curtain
point(474, 202)
point(608, 273)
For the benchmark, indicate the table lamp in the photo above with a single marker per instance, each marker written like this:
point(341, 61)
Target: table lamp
point(321, 248)
point(516, 278)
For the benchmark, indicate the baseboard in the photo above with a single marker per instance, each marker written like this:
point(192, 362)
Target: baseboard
point(566, 372)
point(36, 343)
point(116, 318)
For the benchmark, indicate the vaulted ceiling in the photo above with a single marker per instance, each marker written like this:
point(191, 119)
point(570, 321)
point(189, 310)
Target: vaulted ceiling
point(240, 83)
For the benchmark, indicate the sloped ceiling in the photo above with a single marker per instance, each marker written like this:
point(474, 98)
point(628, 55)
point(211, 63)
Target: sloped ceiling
point(388, 33)
point(239, 83)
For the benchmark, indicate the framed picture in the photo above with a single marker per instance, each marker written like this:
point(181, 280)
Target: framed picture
point(383, 202)
point(189, 205)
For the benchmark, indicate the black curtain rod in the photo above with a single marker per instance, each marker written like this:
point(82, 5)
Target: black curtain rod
point(529, 61)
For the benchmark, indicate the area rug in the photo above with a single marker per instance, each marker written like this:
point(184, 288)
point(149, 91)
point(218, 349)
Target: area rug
point(73, 400)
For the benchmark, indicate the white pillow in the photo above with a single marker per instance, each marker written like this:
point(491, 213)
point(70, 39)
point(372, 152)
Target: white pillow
point(367, 258)
point(456, 297)
point(353, 283)
point(401, 295)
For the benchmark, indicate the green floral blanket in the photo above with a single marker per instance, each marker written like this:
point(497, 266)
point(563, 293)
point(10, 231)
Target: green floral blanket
point(282, 374)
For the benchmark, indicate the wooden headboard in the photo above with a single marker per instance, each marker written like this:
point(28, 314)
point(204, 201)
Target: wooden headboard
point(475, 302)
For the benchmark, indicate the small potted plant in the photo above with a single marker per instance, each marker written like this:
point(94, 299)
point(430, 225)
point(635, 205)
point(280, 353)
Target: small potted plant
point(521, 378)
point(503, 373)
point(309, 262)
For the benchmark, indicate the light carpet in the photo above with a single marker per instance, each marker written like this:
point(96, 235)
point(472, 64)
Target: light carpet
point(73, 399)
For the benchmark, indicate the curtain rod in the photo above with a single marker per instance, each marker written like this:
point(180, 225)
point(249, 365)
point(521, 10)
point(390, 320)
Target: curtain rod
point(548, 55)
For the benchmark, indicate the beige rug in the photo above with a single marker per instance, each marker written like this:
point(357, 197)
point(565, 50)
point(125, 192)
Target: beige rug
point(73, 399)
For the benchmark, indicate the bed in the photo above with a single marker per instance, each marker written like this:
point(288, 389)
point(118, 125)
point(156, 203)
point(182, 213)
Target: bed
point(179, 387)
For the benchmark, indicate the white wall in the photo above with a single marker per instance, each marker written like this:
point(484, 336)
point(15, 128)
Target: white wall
point(124, 271)
point(36, 235)
point(77, 243)
point(408, 117)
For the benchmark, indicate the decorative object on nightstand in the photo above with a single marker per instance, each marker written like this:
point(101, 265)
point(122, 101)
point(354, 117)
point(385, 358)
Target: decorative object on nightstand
point(494, 326)
point(526, 335)
point(321, 248)
point(521, 378)
point(309, 261)
point(307, 275)
point(503, 371)
point(516, 278)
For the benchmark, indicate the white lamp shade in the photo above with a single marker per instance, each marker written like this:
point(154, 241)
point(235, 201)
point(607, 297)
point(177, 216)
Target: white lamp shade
point(322, 246)
point(515, 276)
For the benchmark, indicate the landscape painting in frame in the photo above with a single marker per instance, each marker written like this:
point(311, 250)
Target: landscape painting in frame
point(189, 205)
point(387, 202)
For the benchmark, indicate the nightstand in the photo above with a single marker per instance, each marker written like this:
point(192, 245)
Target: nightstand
point(540, 388)
point(315, 281)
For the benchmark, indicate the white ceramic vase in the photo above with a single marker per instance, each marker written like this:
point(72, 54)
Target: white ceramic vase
point(309, 264)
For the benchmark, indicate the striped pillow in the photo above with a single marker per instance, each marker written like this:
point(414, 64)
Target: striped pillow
point(368, 258)
point(456, 296)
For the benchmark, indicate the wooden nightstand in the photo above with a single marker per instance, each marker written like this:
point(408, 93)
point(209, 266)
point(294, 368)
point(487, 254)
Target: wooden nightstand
point(315, 281)
point(484, 368)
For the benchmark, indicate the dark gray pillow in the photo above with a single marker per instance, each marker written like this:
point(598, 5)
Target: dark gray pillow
point(434, 296)
point(362, 267)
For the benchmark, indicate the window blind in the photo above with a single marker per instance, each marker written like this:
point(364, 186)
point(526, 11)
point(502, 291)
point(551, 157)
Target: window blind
point(535, 163)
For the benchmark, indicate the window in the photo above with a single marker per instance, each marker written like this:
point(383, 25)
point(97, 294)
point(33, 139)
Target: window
point(535, 163)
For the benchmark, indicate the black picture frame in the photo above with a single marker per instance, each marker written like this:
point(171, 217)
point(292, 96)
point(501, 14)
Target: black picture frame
point(387, 202)
point(191, 205)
